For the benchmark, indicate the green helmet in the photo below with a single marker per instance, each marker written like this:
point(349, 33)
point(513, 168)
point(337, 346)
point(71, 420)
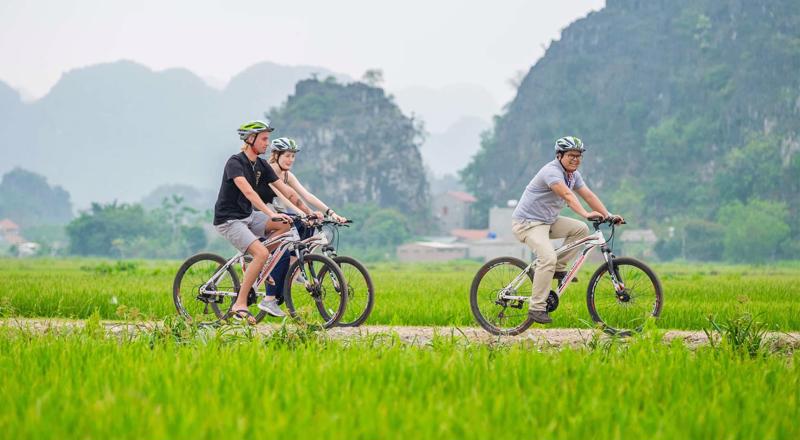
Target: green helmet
point(253, 127)
point(284, 144)
point(569, 143)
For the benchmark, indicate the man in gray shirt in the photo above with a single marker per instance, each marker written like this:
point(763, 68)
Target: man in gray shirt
point(535, 220)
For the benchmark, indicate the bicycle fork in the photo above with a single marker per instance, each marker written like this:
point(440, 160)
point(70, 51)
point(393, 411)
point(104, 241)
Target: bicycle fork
point(619, 285)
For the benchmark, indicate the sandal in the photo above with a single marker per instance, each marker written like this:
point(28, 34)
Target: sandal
point(242, 315)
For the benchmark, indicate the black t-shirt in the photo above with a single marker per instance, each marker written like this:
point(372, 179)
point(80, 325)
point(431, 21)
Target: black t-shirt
point(231, 203)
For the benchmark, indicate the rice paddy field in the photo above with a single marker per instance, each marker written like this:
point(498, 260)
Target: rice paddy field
point(175, 381)
point(429, 294)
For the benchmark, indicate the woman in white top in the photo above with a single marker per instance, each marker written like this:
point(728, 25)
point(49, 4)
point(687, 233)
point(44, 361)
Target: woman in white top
point(283, 152)
point(282, 156)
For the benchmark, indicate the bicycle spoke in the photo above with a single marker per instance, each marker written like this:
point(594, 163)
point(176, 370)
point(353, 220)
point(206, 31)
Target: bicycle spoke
point(196, 272)
point(630, 308)
point(496, 314)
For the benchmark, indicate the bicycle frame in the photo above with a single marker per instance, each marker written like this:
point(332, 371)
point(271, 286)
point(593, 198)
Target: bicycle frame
point(289, 241)
point(589, 242)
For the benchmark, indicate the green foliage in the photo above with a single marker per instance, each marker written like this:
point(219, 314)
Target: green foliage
point(375, 232)
point(104, 229)
point(754, 171)
point(27, 199)
point(129, 231)
point(753, 231)
point(695, 108)
point(742, 335)
point(668, 249)
point(704, 240)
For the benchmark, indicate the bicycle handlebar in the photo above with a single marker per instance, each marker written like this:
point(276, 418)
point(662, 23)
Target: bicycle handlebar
point(611, 220)
point(316, 222)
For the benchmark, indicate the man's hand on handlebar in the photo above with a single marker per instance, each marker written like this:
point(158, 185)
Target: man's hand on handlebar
point(280, 217)
point(616, 219)
point(594, 216)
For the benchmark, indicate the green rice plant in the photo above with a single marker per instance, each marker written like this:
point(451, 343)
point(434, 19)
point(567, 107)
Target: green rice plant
point(412, 294)
point(83, 385)
point(741, 334)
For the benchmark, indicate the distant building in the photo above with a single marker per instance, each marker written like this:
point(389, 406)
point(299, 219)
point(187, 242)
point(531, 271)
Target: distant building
point(430, 251)
point(28, 249)
point(469, 234)
point(7, 227)
point(646, 236)
point(499, 241)
point(452, 209)
point(485, 250)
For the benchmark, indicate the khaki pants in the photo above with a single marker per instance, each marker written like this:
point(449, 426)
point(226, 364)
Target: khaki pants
point(537, 235)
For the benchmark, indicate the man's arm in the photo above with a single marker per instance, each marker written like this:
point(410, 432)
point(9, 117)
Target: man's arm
point(592, 200)
point(565, 193)
point(252, 196)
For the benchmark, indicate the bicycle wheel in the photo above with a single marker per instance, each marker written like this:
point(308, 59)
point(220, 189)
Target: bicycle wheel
point(193, 273)
point(622, 312)
point(360, 292)
point(314, 287)
point(501, 316)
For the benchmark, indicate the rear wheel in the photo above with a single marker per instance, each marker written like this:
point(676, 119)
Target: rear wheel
point(196, 271)
point(627, 310)
point(501, 316)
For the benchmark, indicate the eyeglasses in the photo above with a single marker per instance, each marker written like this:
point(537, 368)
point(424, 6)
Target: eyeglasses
point(574, 156)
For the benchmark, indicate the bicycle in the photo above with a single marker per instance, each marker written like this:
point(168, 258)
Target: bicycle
point(204, 282)
point(623, 292)
point(360, 290)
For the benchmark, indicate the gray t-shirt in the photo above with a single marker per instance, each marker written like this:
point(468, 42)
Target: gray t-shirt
point(539, 202)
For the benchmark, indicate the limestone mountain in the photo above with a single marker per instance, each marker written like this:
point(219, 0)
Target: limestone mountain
point(683, 105)
point(358, 147)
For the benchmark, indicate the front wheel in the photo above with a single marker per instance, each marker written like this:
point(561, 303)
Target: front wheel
point(639, 298)
point(360, 292)
point(316, 291)
point(496, 314)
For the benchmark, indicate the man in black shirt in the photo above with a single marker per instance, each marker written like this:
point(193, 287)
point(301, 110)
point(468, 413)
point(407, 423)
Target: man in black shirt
point(246, 182)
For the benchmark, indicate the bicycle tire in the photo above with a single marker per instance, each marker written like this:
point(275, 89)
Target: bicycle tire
point(296, 296)
point(615, 313)
point(185, 291)
point(360, 292)
point(488, 294)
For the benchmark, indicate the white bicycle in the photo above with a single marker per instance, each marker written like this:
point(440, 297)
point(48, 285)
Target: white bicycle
point(207, 284)
point(622, 294)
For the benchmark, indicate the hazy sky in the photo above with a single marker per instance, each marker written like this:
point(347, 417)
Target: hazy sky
point(415, 42)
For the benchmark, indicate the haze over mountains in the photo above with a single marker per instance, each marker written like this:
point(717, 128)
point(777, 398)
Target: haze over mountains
point(116, 131)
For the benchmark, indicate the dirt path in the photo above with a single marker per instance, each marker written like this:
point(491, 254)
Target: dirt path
point(555, 337)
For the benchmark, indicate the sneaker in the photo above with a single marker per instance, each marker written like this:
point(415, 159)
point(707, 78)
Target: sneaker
point(540, 316)
point(271, 307)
